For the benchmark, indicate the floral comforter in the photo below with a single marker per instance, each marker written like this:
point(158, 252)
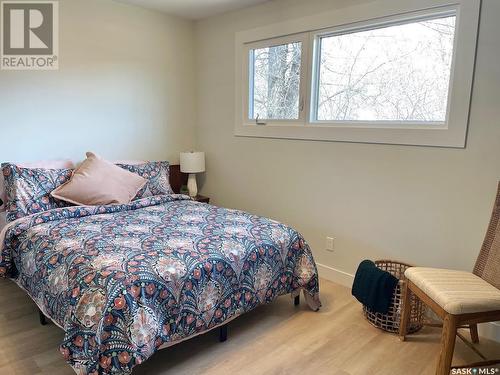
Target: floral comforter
point(122, 281)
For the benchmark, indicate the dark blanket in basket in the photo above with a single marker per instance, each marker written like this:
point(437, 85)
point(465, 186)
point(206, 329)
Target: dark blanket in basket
point(373, 287)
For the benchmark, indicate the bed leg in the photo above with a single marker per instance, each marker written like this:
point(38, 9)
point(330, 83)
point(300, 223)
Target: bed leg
point(296, 301)
point(223, 333)
point(43, 320)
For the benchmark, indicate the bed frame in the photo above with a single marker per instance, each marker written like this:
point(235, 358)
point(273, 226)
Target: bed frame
point(177, 179)
point(222, 330)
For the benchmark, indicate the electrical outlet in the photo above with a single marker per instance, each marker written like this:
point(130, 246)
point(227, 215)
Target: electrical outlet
point(329, 243)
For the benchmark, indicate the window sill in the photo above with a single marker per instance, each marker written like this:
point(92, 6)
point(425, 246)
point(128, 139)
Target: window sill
point(439, 136)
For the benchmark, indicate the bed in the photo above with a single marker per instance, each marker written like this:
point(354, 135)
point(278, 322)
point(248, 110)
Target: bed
point(124, 281)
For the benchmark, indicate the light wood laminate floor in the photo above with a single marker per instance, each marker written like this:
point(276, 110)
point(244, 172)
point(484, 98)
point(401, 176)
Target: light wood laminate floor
point(274, 339)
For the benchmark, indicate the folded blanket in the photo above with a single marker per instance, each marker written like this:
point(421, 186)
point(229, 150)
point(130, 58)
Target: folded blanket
point(373, 287)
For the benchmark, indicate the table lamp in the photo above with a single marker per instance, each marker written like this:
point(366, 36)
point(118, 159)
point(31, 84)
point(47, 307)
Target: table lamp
point(192, 163)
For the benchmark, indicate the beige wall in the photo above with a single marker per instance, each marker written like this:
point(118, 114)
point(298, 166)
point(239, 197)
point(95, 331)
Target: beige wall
point(125, 88)
point(428, 206)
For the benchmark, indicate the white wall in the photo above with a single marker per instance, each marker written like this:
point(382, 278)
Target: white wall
point(125, 89)
point(427, 206)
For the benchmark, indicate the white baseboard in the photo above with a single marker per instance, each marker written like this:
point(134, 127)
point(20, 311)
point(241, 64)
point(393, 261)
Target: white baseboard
point(490, 331)
point(335, 275)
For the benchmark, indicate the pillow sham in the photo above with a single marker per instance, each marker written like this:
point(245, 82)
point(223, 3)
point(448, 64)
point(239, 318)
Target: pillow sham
point(28, 189)
point(156, 173)
point(42, 164)
point(99, 182)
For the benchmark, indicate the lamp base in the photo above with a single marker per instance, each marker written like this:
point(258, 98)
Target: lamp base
point(191, 185)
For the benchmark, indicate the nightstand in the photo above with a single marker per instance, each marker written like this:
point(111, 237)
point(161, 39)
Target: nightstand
point(202, 199)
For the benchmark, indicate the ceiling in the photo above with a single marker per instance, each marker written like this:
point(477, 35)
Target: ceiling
point(193, 9)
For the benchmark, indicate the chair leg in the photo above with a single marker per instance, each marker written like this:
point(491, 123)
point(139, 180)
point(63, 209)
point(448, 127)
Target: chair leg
point(405, 313)
point(448, 338)
point(474, 336)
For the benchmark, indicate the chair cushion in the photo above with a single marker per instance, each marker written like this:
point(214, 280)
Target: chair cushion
point(457, 292)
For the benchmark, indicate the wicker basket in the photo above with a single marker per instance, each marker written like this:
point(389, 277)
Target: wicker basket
point(390, 322)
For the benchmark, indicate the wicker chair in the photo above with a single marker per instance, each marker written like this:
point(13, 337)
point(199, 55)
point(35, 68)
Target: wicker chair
point(461, 299)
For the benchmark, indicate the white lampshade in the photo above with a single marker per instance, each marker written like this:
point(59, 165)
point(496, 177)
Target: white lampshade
point(192, 162)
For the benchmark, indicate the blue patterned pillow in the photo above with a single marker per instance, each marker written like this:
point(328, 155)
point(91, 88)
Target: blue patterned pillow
point(157, 173)
point(28, 189)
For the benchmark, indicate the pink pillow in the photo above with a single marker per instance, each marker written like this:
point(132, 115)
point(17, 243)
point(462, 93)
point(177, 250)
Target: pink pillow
point(48, 164)
point(45, 164)
point(130, 162)
point(99, 182)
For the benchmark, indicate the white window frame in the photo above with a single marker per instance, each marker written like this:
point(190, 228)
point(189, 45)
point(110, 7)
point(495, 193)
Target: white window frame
point(304, 40)
point(372, 25)
point(451, 133)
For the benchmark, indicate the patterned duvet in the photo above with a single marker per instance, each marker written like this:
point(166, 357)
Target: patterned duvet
point(123, 281)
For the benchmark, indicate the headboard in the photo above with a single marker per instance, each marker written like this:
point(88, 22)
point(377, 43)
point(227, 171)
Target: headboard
point(177, 178)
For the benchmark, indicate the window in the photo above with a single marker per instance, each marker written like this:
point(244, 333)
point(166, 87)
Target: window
point(403, 78)
point(393, 73)
point(275, 82)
